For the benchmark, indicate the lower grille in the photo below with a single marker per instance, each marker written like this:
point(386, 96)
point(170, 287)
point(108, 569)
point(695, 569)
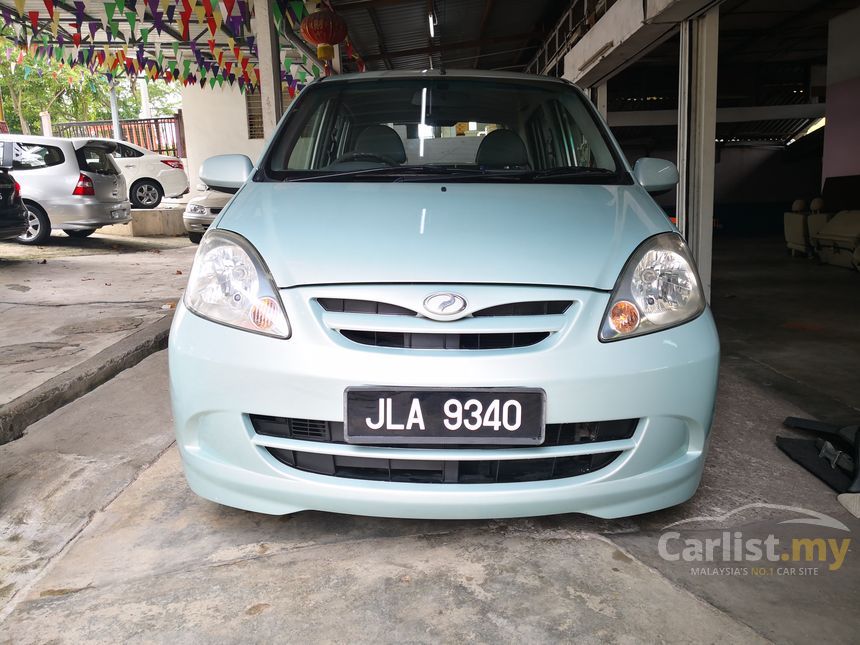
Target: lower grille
point(444, 341)
point(557, 434)
point(489, 471)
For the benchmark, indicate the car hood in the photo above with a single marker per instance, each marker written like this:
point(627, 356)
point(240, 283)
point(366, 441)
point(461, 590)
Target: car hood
point(212, 199)
point(369, 232)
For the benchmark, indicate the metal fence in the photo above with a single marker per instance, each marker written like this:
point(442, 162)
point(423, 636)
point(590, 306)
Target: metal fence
point(165, 135)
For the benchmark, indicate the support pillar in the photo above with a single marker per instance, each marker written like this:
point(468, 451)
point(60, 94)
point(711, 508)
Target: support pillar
point(269, 51)
point(47, 128)
point(114, 112)
point(598, 97)
point(697, 125)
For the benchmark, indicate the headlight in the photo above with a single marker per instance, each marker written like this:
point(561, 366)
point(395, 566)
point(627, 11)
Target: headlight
point(196, 209)
point(658, 288)
point(230, 284)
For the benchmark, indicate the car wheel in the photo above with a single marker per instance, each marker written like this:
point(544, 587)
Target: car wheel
point(80, 233)
point(195, 237)
point(38, 226)
point(145, 194)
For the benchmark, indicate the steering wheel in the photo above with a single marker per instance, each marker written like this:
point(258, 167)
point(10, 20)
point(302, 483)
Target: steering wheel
point(366, 156)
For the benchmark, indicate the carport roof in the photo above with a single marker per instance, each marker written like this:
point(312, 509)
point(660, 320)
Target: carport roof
point(486, 34)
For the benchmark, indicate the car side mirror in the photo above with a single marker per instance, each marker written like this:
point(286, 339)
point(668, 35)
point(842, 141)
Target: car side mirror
point(655, 175)
point(226, 173)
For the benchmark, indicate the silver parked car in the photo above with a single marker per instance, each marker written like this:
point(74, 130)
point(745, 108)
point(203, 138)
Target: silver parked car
point(69, 184)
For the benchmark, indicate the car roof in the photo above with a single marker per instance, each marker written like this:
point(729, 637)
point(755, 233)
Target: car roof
point(75, 142)
point(477, 74)
point(37, 138)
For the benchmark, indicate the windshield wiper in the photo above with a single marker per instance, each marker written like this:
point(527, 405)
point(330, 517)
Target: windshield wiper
point(566, 172)
point(428, 172)
point(394, 171)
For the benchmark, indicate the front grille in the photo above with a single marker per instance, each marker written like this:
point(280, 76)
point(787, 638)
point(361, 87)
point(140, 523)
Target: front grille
point(489, 471)
point(504, 340)
point(557, 434)
point(535, 308)
point(363, 307)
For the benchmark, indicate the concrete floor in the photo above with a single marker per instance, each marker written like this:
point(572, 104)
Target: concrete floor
point(101, 540)
point(88, 295)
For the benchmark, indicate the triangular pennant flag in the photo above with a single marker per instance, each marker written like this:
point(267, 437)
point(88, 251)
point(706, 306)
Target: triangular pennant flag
point(131, 16)
point(49, 5)
point(34, 20)
point(110, 9)
point(19, 5)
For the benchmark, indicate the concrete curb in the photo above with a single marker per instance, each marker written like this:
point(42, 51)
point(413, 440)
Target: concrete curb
point(64, 388)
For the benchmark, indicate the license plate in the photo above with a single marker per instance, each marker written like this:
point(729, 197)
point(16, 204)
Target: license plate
point(438, 416)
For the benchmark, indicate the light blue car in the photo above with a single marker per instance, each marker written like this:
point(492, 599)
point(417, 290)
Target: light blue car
point(443, 295)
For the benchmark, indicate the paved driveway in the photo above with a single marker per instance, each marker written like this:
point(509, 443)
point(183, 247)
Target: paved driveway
point(103, 542)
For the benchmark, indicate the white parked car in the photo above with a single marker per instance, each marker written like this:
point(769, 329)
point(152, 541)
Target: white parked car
point(150, 176)
point(202, 211)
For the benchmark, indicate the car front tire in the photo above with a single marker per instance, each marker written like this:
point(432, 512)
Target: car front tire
point(39, 226)
point(145, 193)
point(195, 237)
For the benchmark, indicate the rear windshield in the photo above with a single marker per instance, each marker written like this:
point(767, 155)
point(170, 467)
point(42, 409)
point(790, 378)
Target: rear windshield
point(386, 130)
point(96, 159)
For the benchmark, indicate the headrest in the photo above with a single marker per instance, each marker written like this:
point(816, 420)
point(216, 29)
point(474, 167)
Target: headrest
point(816, 205)
point(383, 141)
point(798, 206)
point(502, 149)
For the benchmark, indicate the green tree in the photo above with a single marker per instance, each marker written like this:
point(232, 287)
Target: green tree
point(28, 88)
point(67, 94)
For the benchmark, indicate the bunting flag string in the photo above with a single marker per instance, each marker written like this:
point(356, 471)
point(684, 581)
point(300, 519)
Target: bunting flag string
point(65, 33)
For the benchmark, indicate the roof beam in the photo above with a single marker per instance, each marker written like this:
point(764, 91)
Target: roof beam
point(796, 111)
point(466, 44)
point(488, 9)
point(379, 37)
point(354, 5)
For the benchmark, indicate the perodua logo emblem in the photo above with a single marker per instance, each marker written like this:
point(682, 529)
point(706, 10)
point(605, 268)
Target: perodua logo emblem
point(444, 304)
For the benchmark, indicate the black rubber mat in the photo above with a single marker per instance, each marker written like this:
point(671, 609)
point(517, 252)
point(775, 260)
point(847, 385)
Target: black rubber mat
point(804, 452)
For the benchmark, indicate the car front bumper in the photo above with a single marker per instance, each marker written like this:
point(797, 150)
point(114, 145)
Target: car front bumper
point(219, 375)
point(88, 213)
point(196, 223)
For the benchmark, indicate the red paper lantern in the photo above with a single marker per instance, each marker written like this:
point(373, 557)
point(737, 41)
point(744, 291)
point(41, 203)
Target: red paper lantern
point(324, 29)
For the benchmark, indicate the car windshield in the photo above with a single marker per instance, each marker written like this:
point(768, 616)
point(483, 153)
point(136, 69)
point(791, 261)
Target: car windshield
point(442, 128)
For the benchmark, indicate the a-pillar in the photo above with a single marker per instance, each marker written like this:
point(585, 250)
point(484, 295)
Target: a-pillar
point(269, 52)
point(697, 125)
